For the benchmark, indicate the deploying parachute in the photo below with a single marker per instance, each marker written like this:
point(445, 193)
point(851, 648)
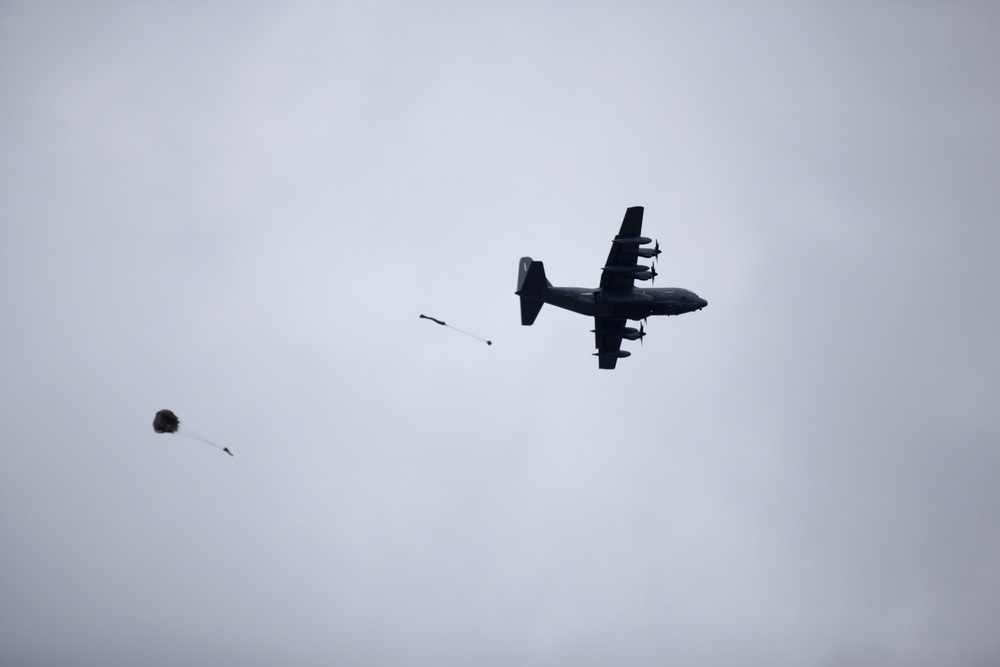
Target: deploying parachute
point(166, 421)
point(445, 324)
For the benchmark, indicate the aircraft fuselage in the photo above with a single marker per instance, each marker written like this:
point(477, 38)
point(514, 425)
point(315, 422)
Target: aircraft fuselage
point(635, 303)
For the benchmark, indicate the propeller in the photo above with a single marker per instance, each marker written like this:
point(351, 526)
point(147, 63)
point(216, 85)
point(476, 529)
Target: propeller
point(642, 333)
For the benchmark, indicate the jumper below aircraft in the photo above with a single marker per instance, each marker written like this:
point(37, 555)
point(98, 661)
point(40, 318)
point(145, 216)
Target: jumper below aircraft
point(617, 299)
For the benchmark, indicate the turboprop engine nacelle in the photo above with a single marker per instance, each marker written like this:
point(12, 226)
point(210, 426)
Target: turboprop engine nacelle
point(628, 333)
point(621, 354)
point(626, 270)
point(633, 240)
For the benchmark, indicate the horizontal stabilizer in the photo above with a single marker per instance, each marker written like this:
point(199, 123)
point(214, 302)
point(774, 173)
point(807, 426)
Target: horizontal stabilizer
point(531, 284)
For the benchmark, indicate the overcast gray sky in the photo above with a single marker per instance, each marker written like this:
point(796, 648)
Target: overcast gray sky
point(238, 210)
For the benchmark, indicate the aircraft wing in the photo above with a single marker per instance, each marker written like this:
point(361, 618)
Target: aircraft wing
point(619, 271)
point(608, 340)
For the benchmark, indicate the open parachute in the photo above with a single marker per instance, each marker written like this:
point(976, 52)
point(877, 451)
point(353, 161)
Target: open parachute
point(166, 421)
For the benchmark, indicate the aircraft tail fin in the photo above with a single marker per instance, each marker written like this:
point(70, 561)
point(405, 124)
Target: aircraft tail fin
point(531, 283)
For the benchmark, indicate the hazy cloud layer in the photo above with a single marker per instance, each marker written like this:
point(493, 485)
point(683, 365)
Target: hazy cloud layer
point(238, 213)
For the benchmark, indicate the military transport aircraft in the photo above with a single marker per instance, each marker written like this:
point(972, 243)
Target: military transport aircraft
point(617, 299)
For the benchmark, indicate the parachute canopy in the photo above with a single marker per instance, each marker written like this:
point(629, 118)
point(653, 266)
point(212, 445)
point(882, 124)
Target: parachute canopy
point(166, 422)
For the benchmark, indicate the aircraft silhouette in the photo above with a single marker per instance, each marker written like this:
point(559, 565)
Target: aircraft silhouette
point(617, 299)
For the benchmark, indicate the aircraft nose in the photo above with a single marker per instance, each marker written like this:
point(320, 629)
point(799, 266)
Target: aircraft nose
point(702, 303)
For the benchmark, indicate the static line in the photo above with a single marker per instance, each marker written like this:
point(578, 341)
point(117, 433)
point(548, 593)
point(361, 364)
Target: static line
point(194, 435)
